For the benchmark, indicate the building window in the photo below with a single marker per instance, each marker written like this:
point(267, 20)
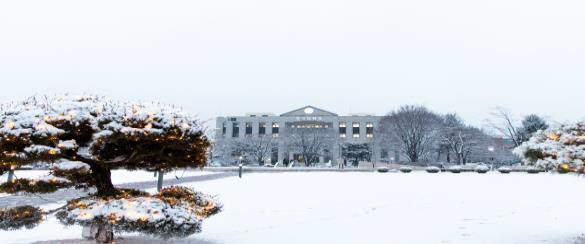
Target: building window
point(342, 129)
point(343, 135)
point(236, 129)
point(275, 129)
point(223, 129)
point(262, 129)
point(370, 130)
point(356, 130)
point(248, 128)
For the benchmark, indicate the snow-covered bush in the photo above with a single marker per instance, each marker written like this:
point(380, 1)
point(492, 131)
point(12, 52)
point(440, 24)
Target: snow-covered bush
point(23, 216)
point(433, 169)
point(87, 137)
point(482, 169)
point(455, 169)
point(550, 148)
point(174, 212)
point(405, 169)
point(533, 170)
point(505, 170)
point(383, 170)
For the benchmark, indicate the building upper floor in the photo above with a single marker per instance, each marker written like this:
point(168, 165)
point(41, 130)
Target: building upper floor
point(359, 127)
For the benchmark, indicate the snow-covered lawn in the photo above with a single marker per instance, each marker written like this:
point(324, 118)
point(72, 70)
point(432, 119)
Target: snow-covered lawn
point(382, 208)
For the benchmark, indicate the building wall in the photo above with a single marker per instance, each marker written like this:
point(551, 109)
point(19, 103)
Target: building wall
point(298, 116)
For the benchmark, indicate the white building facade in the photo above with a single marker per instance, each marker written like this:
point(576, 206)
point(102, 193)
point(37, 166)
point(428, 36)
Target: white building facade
point(342, 130)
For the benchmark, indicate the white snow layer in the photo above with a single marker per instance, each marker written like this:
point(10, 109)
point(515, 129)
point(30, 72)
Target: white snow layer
point(349, 208)
point(71, 165)
point(147, 209)
point(34, 115)
point(565, 144)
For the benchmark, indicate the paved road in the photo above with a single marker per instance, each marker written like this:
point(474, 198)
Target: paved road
point(68, 194)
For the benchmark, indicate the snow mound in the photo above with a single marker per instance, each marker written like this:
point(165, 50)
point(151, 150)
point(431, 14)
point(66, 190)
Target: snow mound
point(505, 170)
point(482, 169)
point(405, 169)
point(433, 169)
point(71, 165)
point(455, 169)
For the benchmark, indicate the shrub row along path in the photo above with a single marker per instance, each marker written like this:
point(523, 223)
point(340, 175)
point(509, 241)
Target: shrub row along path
point(68, 194)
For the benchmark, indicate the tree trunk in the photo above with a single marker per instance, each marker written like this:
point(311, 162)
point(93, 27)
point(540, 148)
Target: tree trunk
point(10, 176)
point(103, 180)
point(105, 234)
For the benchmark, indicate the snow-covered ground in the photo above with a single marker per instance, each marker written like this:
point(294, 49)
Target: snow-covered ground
point(382, 208)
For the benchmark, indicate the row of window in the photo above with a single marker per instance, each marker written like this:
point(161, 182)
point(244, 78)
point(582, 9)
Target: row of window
point(356, 130)
point(261, 129)
point(276, 129)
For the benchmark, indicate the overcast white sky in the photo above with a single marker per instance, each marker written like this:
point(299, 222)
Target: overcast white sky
point(237, 56)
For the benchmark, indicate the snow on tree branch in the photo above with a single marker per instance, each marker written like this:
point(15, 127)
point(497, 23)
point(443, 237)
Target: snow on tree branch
point(555, 146)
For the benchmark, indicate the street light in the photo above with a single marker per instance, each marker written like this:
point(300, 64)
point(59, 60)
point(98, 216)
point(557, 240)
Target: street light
point(240, 167)
point(492, 150)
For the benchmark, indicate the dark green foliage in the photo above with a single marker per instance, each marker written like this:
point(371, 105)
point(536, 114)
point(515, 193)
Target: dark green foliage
point(534, 155)
point(80, 178)
point(185, 194)
point(30, 186)
point(19, 217)
point(530, 125)
point(101, 136)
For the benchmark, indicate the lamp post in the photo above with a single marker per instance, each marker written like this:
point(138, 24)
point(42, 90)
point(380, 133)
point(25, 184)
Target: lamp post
point(159, 184)
point(241, 166)
point(491, 149)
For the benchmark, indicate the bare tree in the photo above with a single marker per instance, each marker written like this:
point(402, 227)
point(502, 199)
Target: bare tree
point(503, 122)
point(259, 148)
point(415, 128)
point(310, 141)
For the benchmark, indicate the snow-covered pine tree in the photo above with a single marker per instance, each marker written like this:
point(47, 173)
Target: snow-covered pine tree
point(530, 125)
point(84, 138)
point(556, 147)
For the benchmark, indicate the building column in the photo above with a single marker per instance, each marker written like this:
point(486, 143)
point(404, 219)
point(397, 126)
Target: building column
point(281, 149)
point(337, 154)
